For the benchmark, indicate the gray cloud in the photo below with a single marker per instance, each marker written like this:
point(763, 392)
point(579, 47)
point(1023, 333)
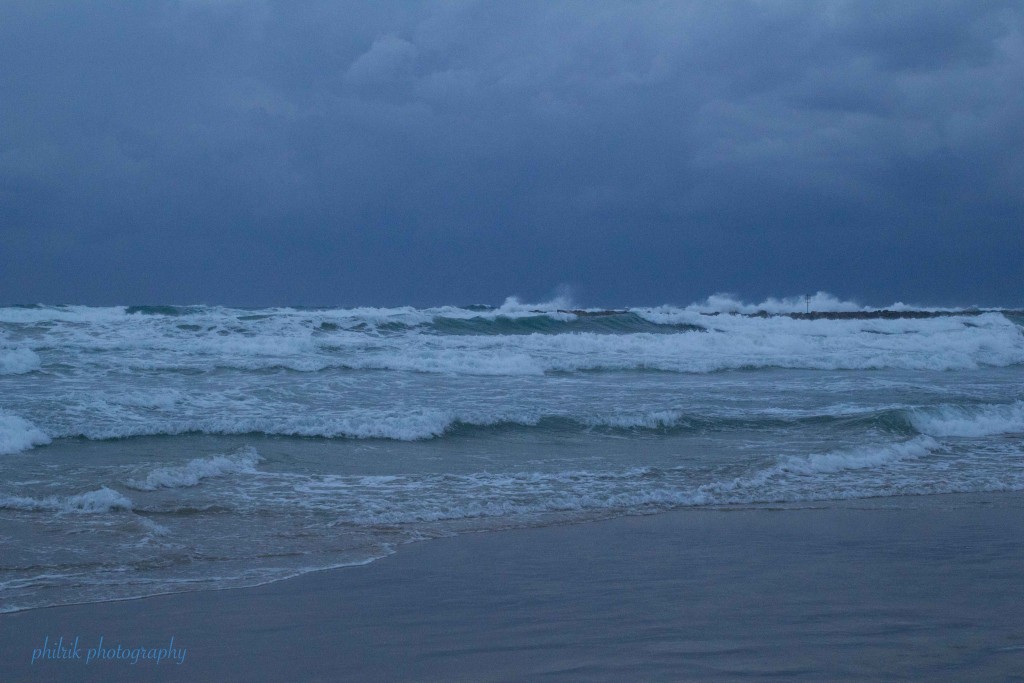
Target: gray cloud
point(332, 153)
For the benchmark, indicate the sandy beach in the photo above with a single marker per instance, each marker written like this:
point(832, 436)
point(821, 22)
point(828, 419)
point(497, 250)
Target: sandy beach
point(910, 588)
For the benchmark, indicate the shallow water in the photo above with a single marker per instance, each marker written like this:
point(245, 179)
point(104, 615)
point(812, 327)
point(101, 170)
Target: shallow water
point(160, 449)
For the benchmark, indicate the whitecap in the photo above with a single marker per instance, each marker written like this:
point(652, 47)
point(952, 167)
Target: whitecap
point(18, 361)
point(100, 500)
point(193, 472)
point(18, 434)
point(970, 421)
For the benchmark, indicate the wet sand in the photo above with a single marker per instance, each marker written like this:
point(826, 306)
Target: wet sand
point(914, 588)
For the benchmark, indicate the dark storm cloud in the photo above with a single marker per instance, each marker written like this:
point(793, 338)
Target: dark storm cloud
point(323, 152)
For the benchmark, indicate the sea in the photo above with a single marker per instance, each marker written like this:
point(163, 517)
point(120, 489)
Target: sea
point(158, 449)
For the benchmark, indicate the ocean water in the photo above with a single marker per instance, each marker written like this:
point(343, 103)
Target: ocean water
point(146, 450)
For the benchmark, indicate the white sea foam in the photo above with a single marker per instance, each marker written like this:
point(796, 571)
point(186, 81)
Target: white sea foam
point(18, 361)
point(731, 343)
point(373, 373)
point(820, 302)
point(43, 314)
point(433, 498)
point(970, 421)
point(856, 458)
point(406, 425)
point(18, 434)
point(193, 472)
point(814, 476)
point(100, 500)
point(152, 528)
point(728, 303)
point(464, 359)
point(234, 415)
point(949, 343)
point(208, 339)
point(655, 419)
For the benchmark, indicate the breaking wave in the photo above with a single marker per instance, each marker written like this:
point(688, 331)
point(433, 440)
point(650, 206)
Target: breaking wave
point(970, 421)
point(514, 339)
point(194, 471)
point(386, 500)
point(18, 434)
point(420, 424)
point(18, 361)
point(101, 500)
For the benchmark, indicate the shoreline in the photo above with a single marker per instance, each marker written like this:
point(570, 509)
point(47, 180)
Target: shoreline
point(915, 587)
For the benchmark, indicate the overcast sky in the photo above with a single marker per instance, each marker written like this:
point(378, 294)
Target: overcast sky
point(381, 153)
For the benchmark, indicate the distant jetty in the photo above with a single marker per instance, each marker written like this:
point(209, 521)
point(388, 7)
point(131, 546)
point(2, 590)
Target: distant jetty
point(879, 314)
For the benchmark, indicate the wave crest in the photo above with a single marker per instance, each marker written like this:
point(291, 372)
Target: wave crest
point(18, 361)
point(100, 500)
point(193, 472)
point(18, 434)
point(968, 421)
